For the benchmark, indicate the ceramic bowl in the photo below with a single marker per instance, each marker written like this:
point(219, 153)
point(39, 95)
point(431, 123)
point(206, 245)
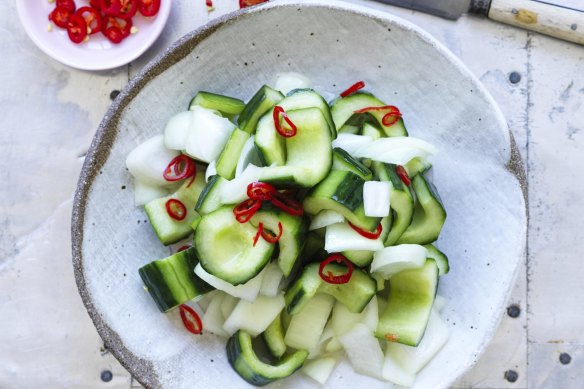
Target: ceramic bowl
point(478, 173)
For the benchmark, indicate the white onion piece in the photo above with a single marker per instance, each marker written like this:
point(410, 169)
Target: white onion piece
point(363, 350)
point(213, 318)
point(254, 317)
point(325, 218)
point(249, 155)
point(340, 237)
point(342, 320)
point(235, 191)
point(207, 135)
point(351, 142)
point(248, 291)
point(399, 150)
point(144, 193)
point(319, 369)
point(286, 82)
point(393, 259)
point(271, 282)
point(227, 305)
point(376, 198)
point(148, 161)
point(394, 373)
point(211, 171)
point(439, 303)
point(177, 129)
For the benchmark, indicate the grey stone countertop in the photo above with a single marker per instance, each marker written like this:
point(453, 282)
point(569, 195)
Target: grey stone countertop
point(50, 113)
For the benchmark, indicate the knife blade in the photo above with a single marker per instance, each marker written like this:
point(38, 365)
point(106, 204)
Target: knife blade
point(449, 9)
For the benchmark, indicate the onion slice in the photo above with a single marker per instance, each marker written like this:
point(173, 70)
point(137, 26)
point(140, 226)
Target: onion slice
point(325, 218)
point(376, 198)
point(248, 291)
point(363, 350)
point(351, 142)
point(148, 161)
point(287, 82)
point(398, 150)
point(393, 259)
point(341, 237)
point(211, 171)
point(249, 155)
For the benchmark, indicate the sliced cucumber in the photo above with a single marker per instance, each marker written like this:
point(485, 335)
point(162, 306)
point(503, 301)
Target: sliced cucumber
point(264, 99)
point(270, 145)
point(229, 106)
point(172, 282)
point(417, 165)
point(343, 161)
point(429, 214)
point(167, 229)
point(306, 326)
point(308, 98)
point(348, 129)
point(226, 247)
point(210, 198)
point(372, 131)
point(440, 258)
point(274, 337)
point(248, 365)
point(289, 81)
point(342, 192)
point(229, 157)
point(409, 305)
point(254, 317)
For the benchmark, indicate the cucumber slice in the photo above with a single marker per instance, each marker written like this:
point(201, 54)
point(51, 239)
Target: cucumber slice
point(171, 281)
point(226, 248)
point(342, 192)
point(167, 229)
point(274, 337)
point(264, 99)
point(409, 305)
point(289, 81)
point(210, 198)
point(371, 131)
point(348, 129)
point(227, 162)
point(254, 317)
point(429, 214)
point(363, 258)
point(248, 365)
point(308, 98)
point(417, 165)
point(343, 111)
point(229, 106)
point(344, 161)
point(270, 145)
point(306, 326)
point(440, 258)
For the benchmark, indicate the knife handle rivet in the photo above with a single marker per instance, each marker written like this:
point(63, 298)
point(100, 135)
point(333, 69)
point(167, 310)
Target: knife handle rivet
point(574, 26)
point(514, 77)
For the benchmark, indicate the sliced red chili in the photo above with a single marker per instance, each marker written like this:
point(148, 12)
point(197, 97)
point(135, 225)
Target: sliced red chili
point(390, 118)
point(191, 319)
point(124, 25)
point(271, 237)
point(403, 175)
point(353, 88)
point(246, 209)
point(249, 3)
point(209, 4)
point(114, 34)
point(149, 7)
point(291, 129)
point(339, 278)
point(92, 19)
point(260, 191)
point(258, 234)
point(183, 248)
point(128, 9)
point(287, 204)
point(76, 28)
point(60, 16)
point(176, 209)
point(179, 168)
point(368, 234)
point(96, 4)
point(110, 7)
point(69, 5)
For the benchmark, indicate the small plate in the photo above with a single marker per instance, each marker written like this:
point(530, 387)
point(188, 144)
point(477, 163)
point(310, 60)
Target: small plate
point(96, 54)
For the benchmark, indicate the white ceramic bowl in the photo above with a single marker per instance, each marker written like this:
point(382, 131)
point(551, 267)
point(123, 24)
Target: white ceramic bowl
point(478, 173)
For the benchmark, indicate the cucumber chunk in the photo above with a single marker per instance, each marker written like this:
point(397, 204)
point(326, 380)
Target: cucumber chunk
point(306, 326)
point(228, 106)
point(440, 258)
point(308, 98)
point(344, 161)
point(274, 337)
point(172, 282)
point(210, 198)
point(229, 157)
point(264, 99)
point(226, 248)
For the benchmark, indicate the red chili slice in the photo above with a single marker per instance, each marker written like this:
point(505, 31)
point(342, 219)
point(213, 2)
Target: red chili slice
point(69, 5)
point(329, 276)
point(179, 168)
point(270, 237)
point(92, 19)
point(114, 34)
point(96, 4)
point(128, 9)
point(258, 234)
point(110, 7)
point(76, 28)
point(209, 4)
point(246, 209)
point(260, 191)
point(183, 248)
point(403, 175)
point(368, 234)
point(353, 88)
point(389, 118)
point(191, 319)
point(149, 7)
point(286, 133)
point(287, 204)
point(60, 16)
point(249, 3)
point(124, 25)
point(176, 209)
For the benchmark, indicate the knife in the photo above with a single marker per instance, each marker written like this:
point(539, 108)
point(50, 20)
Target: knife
point(544, 16)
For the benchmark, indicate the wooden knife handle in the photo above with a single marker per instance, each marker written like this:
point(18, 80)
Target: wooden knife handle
point(549, 19)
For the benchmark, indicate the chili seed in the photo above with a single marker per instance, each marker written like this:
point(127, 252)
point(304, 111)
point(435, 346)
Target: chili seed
point(106, 376)
point(511, 375)
point(513, 311)
point(565, 358)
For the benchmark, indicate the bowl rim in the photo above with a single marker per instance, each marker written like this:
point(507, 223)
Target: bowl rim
point(141, 369)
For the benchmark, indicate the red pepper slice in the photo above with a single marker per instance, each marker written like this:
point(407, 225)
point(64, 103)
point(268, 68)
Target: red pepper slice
point(403, 175)
point(270, 237)
point(287, 204)
point(114, 34)
point(249, 3)
point(76, 28)
point(257, 235)
point(389, 118)
point(149, 7)
point(183, 248)
point(179, 168)
point(92, 19)
point(110, 7)
point(260, 191)
point(368, 234)
point(288, 132)
point(246, 209)
point(69, 5)
point(95, 4)
point(353, 88)
point(191, 319)
point(60, 16)
point(128, 9)
point(124, 25)
point(209, 4)
point(329, 276)
point(176, 209)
